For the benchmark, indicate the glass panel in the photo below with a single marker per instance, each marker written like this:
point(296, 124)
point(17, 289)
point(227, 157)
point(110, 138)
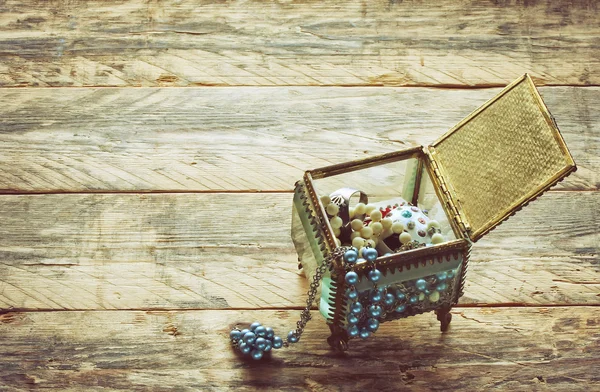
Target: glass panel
point(387, 220)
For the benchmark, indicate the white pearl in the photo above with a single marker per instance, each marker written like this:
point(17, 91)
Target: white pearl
point(437, 238)
point(351, 212)
point(366, 232)
point(336, 232)
point(369, 208)
point(405, 238)
point(435, 296)
point(354, 235)
point(332, 209)
point(359, 208)
point(375, 215)
point(325, 200)
point(371, 243)
point(397, 227)
point(356, 224)
point(387, 223)
point(377, 227)
point(336, 222)
point(338, 242)
point(433, 223)
point(358, 242)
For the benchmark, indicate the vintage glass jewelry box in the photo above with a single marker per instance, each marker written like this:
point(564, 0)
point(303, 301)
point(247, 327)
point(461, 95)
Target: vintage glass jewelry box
point(421, 209)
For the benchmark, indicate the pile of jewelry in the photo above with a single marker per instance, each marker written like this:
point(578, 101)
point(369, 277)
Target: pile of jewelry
point(367, 309)
point(389, 229)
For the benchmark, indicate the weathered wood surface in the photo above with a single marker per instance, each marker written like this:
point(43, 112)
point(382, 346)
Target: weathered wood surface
point(208, 251)
point(138, 225)
point(397, 43)
point(81, 140)
point(516, 349)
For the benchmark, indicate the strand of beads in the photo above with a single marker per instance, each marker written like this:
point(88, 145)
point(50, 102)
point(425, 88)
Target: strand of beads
point(355, 307)
point(414, 295)
point(364, 314)
point(374, 310)
point(335, 221)
point(255, 341)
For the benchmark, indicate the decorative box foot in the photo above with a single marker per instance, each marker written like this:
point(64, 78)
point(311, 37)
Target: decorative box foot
point(338, 339)
point(444, 317)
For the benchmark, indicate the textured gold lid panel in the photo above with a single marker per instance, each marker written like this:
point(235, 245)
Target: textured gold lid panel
point(502, 156)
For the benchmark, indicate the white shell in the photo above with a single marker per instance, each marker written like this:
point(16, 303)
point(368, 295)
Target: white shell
point(375, 215)
point(332, 209)
point(356, 224)
point(336, 222)
point(359, 208)
point(366, 232)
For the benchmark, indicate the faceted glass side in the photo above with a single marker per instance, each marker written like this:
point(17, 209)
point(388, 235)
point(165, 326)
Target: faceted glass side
point(308, 244)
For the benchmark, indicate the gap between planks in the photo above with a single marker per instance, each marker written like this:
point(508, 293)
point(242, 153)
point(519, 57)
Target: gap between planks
point(288, 308)
point(482, 86)
point(5, 192)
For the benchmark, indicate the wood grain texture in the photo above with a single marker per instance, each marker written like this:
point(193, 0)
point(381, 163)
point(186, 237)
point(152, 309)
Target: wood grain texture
point(240, 139)
point(215, 251)
point(397, 43)
point(517, 349)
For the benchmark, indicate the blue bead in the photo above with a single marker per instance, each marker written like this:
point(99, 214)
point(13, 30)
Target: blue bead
point(375, 296)
point(421, 284)
point(353, 331)
point(442, 276)
point(277, 342)
point(245, 348)
point(400, 308)
point(374, 311)
point(414, 299)
point(254, 325)
point(235, 334)
point(351, 278)
point(450, 274)
point(260, 343)
point(269, 346)
point(401, 296)
point(364, 333)
point(257, 354)
point(352, 294)
point(270, 333)
point(389, 299)
point(375, 275)
point(292, 338)
point(356, 308)
point(442, 286)
point(249, 338)
point(350, 256)
point(244, 331)
point(260, 331)
point(352, 319)
point(372, 324)
point(370, 254)
point(427, 291)
point(406, 213)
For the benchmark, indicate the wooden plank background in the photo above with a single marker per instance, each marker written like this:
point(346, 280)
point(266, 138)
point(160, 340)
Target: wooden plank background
point(148, 152)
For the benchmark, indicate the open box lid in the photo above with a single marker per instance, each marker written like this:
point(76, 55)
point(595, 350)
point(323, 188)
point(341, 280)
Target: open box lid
point(500, 157)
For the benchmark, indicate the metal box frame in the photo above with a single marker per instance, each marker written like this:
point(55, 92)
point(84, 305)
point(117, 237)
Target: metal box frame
point(494, 162)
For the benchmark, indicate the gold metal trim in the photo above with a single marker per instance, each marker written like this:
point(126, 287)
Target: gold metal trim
point(347, 167)
point(481, 224)
point(408, 258)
